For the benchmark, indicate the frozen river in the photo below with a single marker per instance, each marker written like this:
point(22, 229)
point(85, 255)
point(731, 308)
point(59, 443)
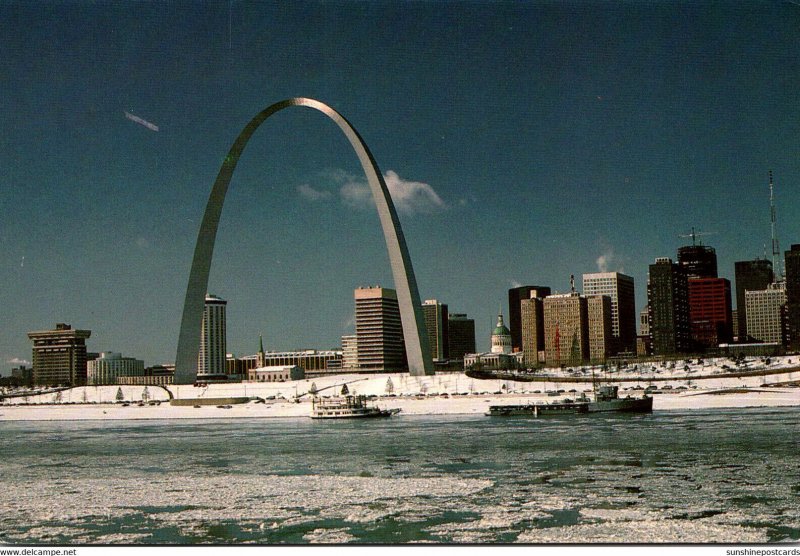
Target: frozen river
point(674, 476)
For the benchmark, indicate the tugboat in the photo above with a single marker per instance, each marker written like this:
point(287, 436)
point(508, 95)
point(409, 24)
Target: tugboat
point(606, 398)
point(347, 407)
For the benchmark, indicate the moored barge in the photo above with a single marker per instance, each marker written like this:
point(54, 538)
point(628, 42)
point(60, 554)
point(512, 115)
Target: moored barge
point(566, 407)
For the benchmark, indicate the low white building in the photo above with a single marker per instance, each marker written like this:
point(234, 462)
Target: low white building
point(276, 373)
point(107, 368)
point(147, 380)
point(487, 361)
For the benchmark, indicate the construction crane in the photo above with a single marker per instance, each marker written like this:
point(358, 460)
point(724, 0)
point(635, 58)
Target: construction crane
point(694, 235)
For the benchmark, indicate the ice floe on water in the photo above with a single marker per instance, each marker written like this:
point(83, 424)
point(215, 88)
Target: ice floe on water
point(491, 523)
point(465, 481)
point(645, 531)
point(113, 538)
point(280, 500)
point(329, 536)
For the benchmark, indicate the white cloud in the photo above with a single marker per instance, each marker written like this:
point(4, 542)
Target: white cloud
point(408, 196)
point(412, 196)
point(356, 194)
point(515, 284)
point(17, 361)
point(308, 192)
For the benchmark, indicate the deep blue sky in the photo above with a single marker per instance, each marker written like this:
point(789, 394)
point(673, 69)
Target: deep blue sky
point(532, 138)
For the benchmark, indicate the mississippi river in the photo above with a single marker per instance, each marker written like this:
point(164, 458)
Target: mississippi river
point(701, 476)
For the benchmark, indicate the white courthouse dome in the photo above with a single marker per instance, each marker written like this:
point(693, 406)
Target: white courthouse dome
point(501, 337)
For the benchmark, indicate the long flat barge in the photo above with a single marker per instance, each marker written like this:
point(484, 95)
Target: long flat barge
point(539, 409)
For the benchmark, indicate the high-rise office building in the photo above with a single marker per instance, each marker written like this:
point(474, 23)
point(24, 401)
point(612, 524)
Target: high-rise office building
point(461, 336)
point(668, 304)
point(436, 322)
point(644, 321)
point(59, 356)
point(213, 338)
point(618, 287)
point(600, 327)
point(644, 343)
point(349, 352)
point(792, 266)
point(110, 366)
point(698, 261)
point(379, 331)
point(710, 316)
point(532, 330)
point(515, 296)
point(753, 275)
point(566, 329)
point(709, 319)
point(767, 314)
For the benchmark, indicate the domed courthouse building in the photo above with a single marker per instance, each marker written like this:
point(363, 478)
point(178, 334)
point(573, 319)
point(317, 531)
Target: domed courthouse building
point(501, 356)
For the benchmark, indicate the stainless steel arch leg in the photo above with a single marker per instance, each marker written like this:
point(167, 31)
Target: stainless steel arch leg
point(414, 331)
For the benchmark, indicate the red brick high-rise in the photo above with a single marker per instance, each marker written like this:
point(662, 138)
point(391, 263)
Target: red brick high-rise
point(710, 315)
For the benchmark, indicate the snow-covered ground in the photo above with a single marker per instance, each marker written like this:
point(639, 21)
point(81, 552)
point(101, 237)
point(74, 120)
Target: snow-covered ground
point(659, 370)
point(443, 393)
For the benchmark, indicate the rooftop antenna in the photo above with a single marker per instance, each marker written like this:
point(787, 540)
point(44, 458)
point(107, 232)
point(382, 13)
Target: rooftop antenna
point(776, 250)
point(572, 282)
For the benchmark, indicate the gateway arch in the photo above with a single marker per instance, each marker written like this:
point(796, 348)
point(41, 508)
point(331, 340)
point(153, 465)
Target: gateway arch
point(414, 331)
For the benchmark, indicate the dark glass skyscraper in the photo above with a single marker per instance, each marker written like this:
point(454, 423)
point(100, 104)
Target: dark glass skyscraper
point(436, 322)
point(698, 261)
point(668, 305)
point(515, 296)
point(753, 275)
point(461, 335)
point(792, 262)
point(709, 296)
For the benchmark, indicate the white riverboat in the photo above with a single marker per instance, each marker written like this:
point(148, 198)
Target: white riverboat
point(347, 407)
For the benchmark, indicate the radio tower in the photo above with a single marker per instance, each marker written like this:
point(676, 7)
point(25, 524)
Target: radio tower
point(776, 251)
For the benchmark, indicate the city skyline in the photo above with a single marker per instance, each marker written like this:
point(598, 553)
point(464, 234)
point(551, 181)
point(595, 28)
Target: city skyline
point(522, 143)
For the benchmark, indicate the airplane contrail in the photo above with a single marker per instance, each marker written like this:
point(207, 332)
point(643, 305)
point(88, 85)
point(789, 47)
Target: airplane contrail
point(140, 121)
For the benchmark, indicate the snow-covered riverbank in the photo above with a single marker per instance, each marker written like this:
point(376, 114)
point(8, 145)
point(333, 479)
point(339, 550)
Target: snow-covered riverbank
point(441, 394)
